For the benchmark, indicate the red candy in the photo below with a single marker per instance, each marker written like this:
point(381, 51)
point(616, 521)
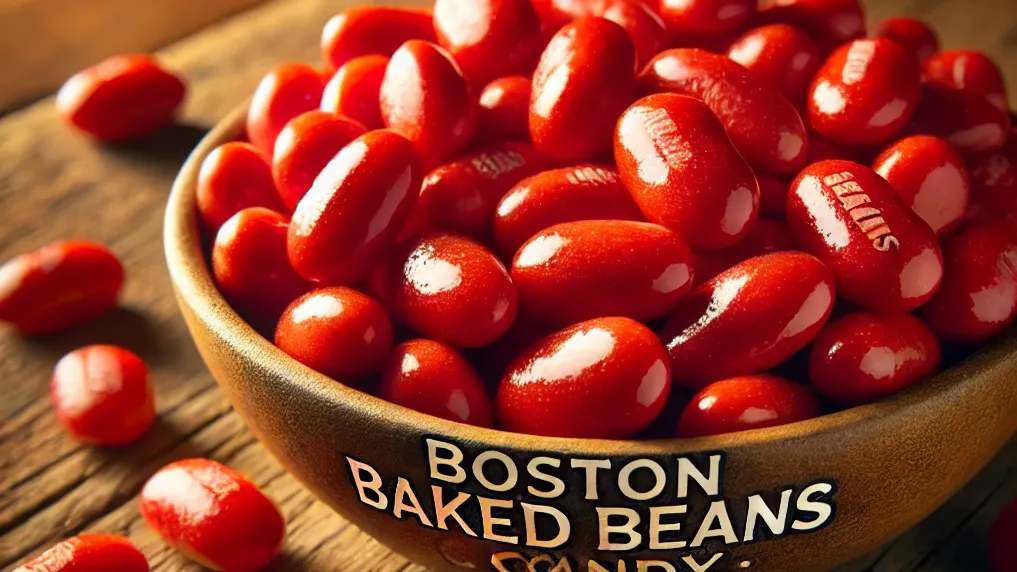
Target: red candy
point(744, 403)
point(372, 30)
point(683, 172)
point(968, 121)
point(449, 289)
point(59, 286)
point(102, 396)
point(356, 208)
point(233, 177)
point(762, 123)
point(581, 270)
point(1001, 540)
point(912, 35)
point(864, 93)
point(885, 258)
point(978, 297)
point(864, 357)
point(930, 177)
point(462, 196)
point(304, 147)
point(122, 97)
point(645, 27)
point(583, 82)
point(251, 267)
point(706, 17)
point(337, 331)
point(283, 94)
point(489, 38)
point(557, 13)
point(353, 90)
point(606, 378)
point(829, 22)
point(89, 553)
point(970, 71)
point(582, 192)
point(749, 318)
point(213, 515)
point(780, 55)
point(504, 110)
point(434, 378)
point(425, 99)
point(765, 237)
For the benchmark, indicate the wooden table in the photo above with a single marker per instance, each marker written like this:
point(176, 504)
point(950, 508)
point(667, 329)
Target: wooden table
point(55, 184)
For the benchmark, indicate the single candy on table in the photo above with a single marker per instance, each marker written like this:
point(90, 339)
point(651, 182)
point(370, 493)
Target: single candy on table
point(89, 553)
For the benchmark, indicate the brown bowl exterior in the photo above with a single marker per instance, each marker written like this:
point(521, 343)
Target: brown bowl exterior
point(853, 480)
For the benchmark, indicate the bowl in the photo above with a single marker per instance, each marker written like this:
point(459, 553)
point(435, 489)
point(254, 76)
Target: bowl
point(800, 497)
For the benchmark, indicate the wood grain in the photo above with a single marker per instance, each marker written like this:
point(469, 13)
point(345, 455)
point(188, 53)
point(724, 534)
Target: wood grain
point(55, 184)
point(43, 42)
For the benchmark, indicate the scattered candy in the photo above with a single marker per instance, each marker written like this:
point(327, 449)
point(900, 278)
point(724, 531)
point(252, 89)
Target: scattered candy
point(89, 553)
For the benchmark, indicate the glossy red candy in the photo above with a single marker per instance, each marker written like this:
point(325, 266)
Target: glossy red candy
point(233, 177)
point(583, 82)
point(682, 170)
point(749, 318)
point(744, 403)
point(645, 27)
point(120, 98)
point(864, 93)
point(353, 90)
point(337, 331)
point(765, 237)
point(582, 192)
point(930, 177)
point(304, 147)
point(763, 125)
point(251, 267)
point(581, 270)
point(425, 99)
point(355, 209)
point(372, 30)
point(449, 289)
point(101, 395)
point(864, 357)
point(504, 110)
point(557, 13)
point(883, 255)
point(606, 378)
point(967, 120)
point(978, 298)
point(434, 378)
point(913, 35)
point(89, 553)
point(706, 17)
point(970, 71)
point(286, 92)
point(489, 38)
point(829, 22)
point(772, 196)
point(994, 177)
point(59, 286)
point(1001, 540)
point(213, 515)
point(780, 55)
point(461, 196)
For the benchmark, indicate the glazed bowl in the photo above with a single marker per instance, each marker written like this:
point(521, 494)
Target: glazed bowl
point(800, 497)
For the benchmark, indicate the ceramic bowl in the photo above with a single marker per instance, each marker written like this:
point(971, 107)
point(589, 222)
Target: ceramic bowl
point(801, 497)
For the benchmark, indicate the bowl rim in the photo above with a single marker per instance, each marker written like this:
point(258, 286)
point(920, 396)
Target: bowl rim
point(194, 285)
